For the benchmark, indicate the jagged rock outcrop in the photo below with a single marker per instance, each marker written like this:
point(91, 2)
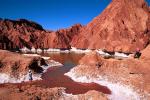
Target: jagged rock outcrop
point(15, 64)
point(122, 26)
point(23, 33)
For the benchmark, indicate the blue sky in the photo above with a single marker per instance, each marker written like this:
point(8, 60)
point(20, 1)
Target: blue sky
point(53, 14)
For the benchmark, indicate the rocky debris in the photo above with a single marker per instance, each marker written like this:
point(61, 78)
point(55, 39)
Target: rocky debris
point(29, 92)
point(38, 92)
point(122, 26)
point(16, 34)
point(16, 64)
point(131, 72)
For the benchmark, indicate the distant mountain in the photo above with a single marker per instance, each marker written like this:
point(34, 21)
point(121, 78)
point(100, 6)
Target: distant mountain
point(16, 34)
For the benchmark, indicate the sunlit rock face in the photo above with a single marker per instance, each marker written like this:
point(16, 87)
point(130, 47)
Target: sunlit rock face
point(122, 26)
point(15, 34)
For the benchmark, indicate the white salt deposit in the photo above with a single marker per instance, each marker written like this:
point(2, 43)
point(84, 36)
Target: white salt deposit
point(64, 51)
point(119, 91)
point(36, 55)
point(39, 50)
point(25, 49)
point(53, 50)
point(45, 58)
point(32, 55)
point(73, 49)
point(117, 54)
point(102, 52)
point(33, 50)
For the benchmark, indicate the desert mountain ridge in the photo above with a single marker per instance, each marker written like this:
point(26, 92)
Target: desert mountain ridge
point(16, 34)
point(123, 26)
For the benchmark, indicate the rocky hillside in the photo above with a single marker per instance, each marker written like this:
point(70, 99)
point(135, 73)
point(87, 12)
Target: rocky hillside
point(122, 26)
point(15, 34)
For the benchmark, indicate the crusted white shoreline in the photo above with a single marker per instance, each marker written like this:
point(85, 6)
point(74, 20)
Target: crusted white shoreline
point(36, 55)
point(6, 78)
point(73, 49)
point(119, 91)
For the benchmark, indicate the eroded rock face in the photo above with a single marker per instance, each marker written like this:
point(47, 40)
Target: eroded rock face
point(23, 33)
point(71, 32)
point(17, 34)
point(122, 26)
point(15, 64)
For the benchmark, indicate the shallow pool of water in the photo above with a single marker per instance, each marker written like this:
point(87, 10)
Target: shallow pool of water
point(55, 77)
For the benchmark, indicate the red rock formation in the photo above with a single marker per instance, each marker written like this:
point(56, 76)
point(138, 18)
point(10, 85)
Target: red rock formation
point(16, 64)
point(71, 32)
point(24, 33)
point(61, 38)
point(122, 26)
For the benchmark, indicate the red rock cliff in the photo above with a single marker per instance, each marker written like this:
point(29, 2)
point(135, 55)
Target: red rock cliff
point(122, 26)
